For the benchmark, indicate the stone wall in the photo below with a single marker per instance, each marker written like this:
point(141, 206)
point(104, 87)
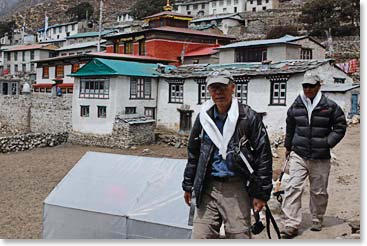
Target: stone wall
point(30, 141)
point(39, 113)
point(124, 134)
point(346, 48)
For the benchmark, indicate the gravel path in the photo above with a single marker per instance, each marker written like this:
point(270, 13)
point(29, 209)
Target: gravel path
point(28, 177)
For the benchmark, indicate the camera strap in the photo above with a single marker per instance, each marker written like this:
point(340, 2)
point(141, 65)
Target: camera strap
point(269, 217)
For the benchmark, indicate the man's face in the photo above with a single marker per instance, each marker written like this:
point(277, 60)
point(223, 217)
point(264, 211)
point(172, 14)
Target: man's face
point(221, 93)
point(311, 90)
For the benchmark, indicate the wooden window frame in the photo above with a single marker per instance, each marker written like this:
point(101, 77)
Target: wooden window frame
point(84, 111)
point(102, 112)
point(59, 71)
point(93, 88)
point(140, 88)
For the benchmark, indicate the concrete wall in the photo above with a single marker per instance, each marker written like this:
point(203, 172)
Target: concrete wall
point(318, 52)
point(226, 56)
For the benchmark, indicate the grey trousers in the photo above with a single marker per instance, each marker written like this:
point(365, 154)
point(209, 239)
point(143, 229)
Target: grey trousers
point(227, 203)
point(318, 173)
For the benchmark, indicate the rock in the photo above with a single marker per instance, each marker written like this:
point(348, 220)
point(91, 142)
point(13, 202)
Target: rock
point(133, 147)
point(177, 144)
point(355, 225)
point(355, 236)
point(146, 150)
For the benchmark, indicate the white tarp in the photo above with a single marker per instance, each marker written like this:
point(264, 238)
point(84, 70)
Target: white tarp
point(110, 196)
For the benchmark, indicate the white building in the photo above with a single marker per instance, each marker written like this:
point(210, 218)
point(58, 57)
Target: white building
point(193, 8)
point(285, 48)
point(174, 98)
point(124, 17)
point(268, 88)
point(18, 60)
point(58, 32)
point(261, 5)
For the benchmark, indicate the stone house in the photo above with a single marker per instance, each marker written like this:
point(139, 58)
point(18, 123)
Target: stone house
point(86, 37)
point(223, 22)
point(268, 88)
point(261, 5)
point(285, 48)
point(58, 32)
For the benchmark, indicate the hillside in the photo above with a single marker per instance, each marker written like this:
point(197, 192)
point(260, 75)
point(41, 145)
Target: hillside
point(32, 12)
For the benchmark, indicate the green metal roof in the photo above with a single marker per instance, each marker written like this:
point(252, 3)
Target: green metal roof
point(107, 67)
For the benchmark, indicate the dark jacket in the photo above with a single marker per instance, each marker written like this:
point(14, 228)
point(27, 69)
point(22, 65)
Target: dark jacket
point(313, 141)
point(200, 152)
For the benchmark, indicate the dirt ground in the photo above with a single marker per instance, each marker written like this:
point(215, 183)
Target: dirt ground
point(28, 177)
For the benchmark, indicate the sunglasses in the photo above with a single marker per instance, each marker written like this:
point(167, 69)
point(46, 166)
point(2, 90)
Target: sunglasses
point(311, 86)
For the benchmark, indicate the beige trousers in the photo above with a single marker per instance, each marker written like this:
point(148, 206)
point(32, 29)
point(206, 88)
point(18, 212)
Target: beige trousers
point(318, 173)
point(227, 203)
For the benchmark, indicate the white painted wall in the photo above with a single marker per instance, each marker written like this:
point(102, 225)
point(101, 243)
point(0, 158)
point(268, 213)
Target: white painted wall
point(270, 4)
point(226, 6)
point(118, 100)
point(226, 56)
point(258, 98)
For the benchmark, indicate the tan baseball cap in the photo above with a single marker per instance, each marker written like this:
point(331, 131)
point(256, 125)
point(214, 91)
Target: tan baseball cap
point(311, 79)
point(219, 76)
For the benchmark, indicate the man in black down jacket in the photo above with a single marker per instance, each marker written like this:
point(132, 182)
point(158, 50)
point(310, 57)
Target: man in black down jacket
point(315, 124)
point(212, 176)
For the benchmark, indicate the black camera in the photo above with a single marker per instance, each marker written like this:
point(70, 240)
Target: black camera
point(257, 227)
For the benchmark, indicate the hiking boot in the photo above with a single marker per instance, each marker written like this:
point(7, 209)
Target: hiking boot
point(316, 226)
point(289, 232)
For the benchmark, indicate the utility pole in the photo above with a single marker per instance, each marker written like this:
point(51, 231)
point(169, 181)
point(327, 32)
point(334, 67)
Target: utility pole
point(100, 25)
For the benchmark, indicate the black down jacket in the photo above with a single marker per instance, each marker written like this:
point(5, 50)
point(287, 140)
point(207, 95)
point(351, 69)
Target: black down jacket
point(313, 141)
point(200, 152)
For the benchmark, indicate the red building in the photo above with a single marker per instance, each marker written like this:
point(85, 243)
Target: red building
point(167, 37)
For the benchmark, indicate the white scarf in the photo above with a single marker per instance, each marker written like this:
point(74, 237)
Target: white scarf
point(221, 141)
point(310, 106)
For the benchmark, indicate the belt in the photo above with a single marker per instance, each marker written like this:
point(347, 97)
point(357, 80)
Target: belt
point(225, 179)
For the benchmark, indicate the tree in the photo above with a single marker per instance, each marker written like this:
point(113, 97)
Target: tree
point(80, 12)
point(341, 16)
point(144, 8)
point(280, 31)
point(7, 27)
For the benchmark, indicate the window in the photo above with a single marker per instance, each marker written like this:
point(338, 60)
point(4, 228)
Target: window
point(32, 67)
point(203, 92)
point(23, 56)
point(235, 2)
point(235, 9)
point(251, 54)
point(259, 2)
point(264, 8)
point(101, 111)
point(8, 56)
point(130, 110)
point(59, 71)
point(32, 54)
point(54, 30)
point(60, 29)
point(306, 53)
point(175, 93)
point(214, 4)
point(221, 3)
point(149, 112)
point(187, 7)
point(24, 68)
point(73, 27)
point(203, 6)
point(15, 56)
point(267, 1)
point(84, 111)
point(94, 88)
point(16, 68)
point(142, 47)
point(278, 93)
point(251, 2)
point(241, 89)
point(195, 6)
point(45, 72)
point(229, 2)
point(140, 88)
point(225, 10)
point(75, 67)
point(128, 48)
point(254, 9)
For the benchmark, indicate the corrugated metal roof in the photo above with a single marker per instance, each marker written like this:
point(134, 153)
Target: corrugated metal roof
point(246, 69)
point(287, 39)
point(80, 45)
point(217, 17)
point(90, 34)
point(106, 67)
point(338, 87)
point(32, 47)
point(202, 52)
point(58, 25)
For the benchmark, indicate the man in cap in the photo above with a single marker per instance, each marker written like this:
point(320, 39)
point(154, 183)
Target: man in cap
point(315, 124)
point(212, 176)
